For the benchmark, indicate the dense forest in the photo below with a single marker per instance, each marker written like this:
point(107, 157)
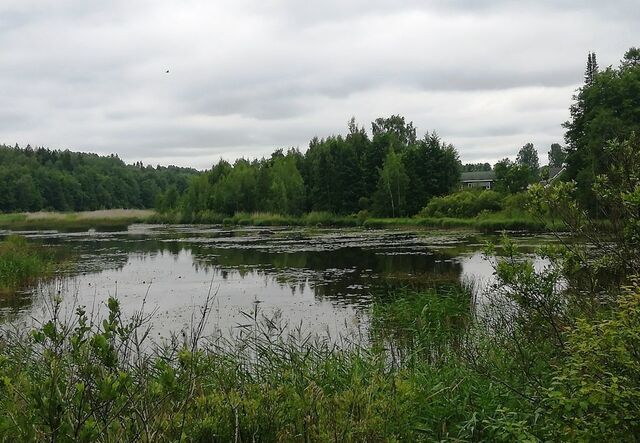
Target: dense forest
point(44, 179)
point(391, 173)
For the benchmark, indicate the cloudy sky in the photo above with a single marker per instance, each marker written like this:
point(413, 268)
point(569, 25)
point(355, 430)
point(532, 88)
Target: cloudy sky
point(246, 77)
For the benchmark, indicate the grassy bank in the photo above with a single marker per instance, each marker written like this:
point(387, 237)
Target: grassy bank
point(114, 219)
point(120, 219)
point(21, 263)
point(324, 219)
point(483, 223)
point(492, 223)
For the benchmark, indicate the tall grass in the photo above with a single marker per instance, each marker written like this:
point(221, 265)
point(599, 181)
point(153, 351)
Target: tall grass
point(100, 220)
point(88, 379)
point(424, 324)
point(312, 219)
point(21, 263)
point(485, 222)
point(427, 374)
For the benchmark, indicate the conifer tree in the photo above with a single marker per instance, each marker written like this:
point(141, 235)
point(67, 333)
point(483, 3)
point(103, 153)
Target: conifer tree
point(592, 69)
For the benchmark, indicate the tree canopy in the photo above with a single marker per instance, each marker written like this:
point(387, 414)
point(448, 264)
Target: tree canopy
point(557, 155)
point(607, 106)
point(390, 173)
point(44, 179)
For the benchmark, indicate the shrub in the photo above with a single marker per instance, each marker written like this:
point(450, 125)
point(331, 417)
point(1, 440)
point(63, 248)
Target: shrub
point(362, 216)
point(595, 394)
point(463, 204)
point(516, 204)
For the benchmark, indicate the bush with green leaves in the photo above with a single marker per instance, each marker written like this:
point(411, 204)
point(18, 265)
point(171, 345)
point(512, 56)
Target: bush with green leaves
point(566, 336)
point(463, 204)
point(595, 392)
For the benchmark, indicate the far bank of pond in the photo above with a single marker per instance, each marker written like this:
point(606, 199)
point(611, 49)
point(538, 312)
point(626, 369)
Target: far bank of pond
point(119, 219)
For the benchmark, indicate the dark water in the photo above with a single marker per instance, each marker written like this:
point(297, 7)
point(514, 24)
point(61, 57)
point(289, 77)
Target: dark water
point(323, 279)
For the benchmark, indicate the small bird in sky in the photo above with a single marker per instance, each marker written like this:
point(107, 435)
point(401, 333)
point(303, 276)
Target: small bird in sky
point(167, 71)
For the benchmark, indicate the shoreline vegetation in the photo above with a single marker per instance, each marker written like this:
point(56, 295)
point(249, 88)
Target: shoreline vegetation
point(79, 380)
point(110, 219)
point(121, 219)
point(22, 263)
point(483, 223)
point(431, 369)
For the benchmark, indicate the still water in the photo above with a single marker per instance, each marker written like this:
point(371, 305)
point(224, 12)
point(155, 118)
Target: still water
point(323, 279)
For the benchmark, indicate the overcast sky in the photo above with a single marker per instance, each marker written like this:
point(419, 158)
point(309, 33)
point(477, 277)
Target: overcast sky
point(246, 77)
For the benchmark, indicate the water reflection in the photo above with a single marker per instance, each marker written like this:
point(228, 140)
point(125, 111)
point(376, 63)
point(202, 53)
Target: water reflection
point(323, 279)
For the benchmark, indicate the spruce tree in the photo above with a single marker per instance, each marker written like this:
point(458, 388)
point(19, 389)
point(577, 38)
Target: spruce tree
point(592, 69)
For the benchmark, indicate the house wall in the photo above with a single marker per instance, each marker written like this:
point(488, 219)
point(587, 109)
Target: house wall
point(486, 184)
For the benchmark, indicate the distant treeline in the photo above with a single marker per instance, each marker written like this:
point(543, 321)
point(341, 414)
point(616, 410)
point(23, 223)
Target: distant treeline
point(391, 173)
point(44, 179)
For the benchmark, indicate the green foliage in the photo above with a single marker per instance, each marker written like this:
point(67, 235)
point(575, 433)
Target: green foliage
point(557, 155)
point(338, 174)
point(512, 177)
point(566, 335)
point(42, 179)
point(168, 200)
point(404, 134)
point(528, 156)
point(83, 381)
point(427, 324)
point(606, 107)
point(611, 252)
point(21, 263)
point(592, 69)
point(287, 187)
point(595, 393)
point(476, 167)
point(631, 59)
point(463, 204)
point(391, 196)
point(433, 168)
point(516, 205)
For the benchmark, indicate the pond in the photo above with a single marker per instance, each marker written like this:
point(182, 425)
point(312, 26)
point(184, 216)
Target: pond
point(322, 279)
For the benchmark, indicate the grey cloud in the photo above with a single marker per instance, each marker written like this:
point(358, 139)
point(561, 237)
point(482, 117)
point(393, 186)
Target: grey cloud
point(247, 77)
point(317, 13)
